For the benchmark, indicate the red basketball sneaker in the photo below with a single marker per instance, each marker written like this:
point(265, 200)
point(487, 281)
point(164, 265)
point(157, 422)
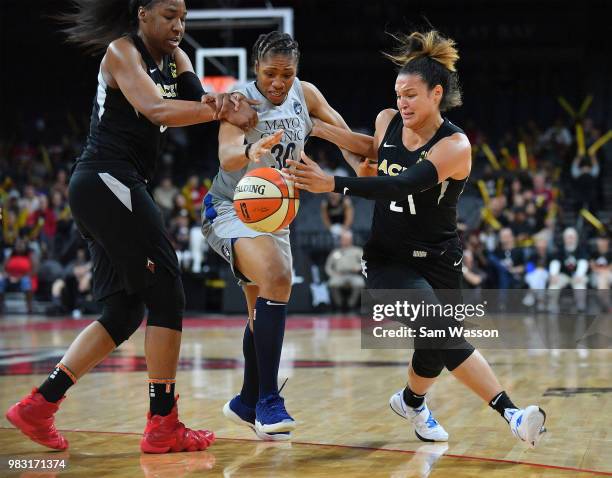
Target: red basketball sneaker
point(168, 435)
point(33, 415)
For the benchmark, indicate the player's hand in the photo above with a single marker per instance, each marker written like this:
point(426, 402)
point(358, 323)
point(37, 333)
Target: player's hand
point(264, 145)
point(245, 117)
point(367, 167)
point(237, 98)
point(308, 175)
point(209, 98)
point(316, 127)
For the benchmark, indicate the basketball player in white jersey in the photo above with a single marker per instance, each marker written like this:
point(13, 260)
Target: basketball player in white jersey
point(262, 261)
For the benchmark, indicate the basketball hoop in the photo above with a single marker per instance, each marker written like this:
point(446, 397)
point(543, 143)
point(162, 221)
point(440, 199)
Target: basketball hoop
point(218, 84)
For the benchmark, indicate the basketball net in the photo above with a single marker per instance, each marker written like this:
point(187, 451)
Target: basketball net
point(218, 84)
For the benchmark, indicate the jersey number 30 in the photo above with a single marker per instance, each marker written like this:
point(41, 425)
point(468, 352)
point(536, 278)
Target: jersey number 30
point(283, 153)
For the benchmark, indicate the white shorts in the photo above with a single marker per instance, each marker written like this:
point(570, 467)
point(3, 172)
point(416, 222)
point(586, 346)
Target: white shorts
point(222, 228)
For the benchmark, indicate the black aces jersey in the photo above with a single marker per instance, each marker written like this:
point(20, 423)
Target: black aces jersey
point(423, 224)
point(121, 135)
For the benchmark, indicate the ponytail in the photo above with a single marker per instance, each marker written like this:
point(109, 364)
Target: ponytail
point(96, 23)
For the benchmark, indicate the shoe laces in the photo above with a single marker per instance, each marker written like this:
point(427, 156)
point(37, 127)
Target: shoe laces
point(431, 421)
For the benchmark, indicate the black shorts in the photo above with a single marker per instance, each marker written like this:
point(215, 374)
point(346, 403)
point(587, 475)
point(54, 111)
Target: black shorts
point(435, 271)
point(443, 275)
point(123, 228)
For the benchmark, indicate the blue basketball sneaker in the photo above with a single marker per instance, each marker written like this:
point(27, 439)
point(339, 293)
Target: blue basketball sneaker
point(242, 414)
point(425, 425)
point(271, 415)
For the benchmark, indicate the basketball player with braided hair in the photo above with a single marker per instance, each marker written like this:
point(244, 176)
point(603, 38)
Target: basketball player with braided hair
point(424, 161)
point(145, 85)
point(262, 261)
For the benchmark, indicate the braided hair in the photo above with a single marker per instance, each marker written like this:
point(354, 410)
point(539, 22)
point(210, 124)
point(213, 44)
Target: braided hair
point(275, 43)
point(96, 23)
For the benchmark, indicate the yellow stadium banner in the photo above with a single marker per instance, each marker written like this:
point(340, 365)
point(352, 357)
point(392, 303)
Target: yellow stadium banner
point(491, 156)
point(566, 106)
point(585, 106)
point(484, 192)
point(599, 143)
point(580, 140)
point(490, 219)
point(46, 159)
point(522, 150)
point(592, 219)
point(499, 187)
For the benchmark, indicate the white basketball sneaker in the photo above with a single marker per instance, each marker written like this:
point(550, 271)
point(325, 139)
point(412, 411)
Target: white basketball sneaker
point(426, 427)
point(527, 424)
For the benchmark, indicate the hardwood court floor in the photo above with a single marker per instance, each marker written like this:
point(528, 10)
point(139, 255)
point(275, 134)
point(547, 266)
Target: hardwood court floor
point(338, 393)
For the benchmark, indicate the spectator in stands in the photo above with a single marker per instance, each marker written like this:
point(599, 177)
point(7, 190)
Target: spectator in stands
point(10, 227)
point(194, 192)
point(498, 206)
point(337, 214)
point(585, 173)
point(164, 195)
point(521, 228)
point(30, 202)
point(536, 272)
point(343, 267)
point(542, 191)
point(19, 268)
point(568, 267)
point(71, 291)
point(475, 245)
point(507, 261)
point(601, 271)
point(558, 136)
point(473, 276)
point(180, 236)
point(61, 183)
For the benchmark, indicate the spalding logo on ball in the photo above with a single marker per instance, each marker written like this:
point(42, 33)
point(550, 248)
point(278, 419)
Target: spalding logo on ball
point(265, 201)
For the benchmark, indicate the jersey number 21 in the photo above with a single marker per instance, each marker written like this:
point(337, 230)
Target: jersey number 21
point(395, 208)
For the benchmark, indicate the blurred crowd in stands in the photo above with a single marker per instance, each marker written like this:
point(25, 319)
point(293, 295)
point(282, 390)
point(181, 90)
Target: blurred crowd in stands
point(537, 215)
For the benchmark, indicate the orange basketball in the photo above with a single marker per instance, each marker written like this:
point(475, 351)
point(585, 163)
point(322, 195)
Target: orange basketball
point(265, 201)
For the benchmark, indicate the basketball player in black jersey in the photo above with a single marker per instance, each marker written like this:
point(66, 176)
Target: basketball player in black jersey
point(144, 83)
point(423, 163)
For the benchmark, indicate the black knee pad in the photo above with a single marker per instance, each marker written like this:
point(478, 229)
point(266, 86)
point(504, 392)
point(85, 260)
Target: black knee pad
point(453, 357)
point(121, 316)
point(166, 301)
point(427, 363)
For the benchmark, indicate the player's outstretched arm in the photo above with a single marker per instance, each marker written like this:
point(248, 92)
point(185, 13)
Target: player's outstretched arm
point(450, 158)
point(319, 108)
point(122, 63)
point(358, 143)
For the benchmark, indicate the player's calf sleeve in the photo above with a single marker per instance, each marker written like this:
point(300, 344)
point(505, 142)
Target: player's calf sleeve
point(269, 331)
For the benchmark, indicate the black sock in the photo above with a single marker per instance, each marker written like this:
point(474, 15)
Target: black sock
point(250, 385)
point(269, 331)
point(413, 400)
point(501, 402)
point(161, 397)
point(56, 385)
